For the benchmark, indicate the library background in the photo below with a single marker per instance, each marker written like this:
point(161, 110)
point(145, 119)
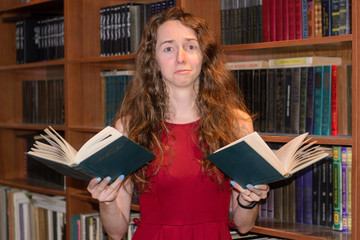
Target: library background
point(66, 63)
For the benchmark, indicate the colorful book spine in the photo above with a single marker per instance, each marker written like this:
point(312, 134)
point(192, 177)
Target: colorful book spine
point(298, 19)
point(266, 20)
point(349, 187)
point(292, 19)
point(337, 188)
point(318, 95)
point(326, 17)
point(334, 104)
point(304, 19)
point(310, 19)
point(344, 213)
point(326, 102)
point(317, 18)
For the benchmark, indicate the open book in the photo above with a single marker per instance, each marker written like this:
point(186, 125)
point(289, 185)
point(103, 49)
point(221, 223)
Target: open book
point(108, 153)
point(249, 160)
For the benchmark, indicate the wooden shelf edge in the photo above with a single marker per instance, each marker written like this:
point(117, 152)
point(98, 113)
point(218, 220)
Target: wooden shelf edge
point(293, 230)
point(20, 126)
point(288, 43)
point(26, 5)
point(126, 57)
point(323, 140)
point(50, 63)
point(35, 186)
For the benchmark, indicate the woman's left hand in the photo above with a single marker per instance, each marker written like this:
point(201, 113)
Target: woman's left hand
point(252, 193)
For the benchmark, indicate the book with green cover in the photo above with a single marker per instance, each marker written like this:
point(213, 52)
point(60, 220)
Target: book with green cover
point(249, 160)
point(108, 153)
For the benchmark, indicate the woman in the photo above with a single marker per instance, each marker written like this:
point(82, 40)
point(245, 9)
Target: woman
point(182, 104)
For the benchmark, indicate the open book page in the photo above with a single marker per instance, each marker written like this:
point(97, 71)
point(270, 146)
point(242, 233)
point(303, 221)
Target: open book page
point(287, 152)
point(97, 142)
point(46, 151)
point(257, 143)
point(308, 157)
point(64, 145)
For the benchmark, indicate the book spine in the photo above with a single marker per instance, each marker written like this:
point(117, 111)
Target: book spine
point(335, 17)
point(308, 195)
point(266, 20)
point(342, 16)
point(298, 20)
point(288, 98)
point(326, 104)
point(299, 198)
point(295, 101)
point(279, 20)
point(304, 18)
point(330, 193)
point(316, 185)
point(310, 18)
point(326, 17)
point(337, 188)
point(334, 105)
point(303, 93)
point(317, 18)
point(344, 213)
point(272, 20)
point(263, 99)
point(349, 187)
point(292, 19)
point(285, 19)
point(310, 100)
point(271, 100)
point(280, 98)
point(318, 95)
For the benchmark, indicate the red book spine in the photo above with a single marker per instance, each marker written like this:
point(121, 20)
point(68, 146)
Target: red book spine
point(298, 20)
point(266, 20)
point(272, 20)
point(292, 20)
point(334, 111)
point(279, 20)
point(285, 19)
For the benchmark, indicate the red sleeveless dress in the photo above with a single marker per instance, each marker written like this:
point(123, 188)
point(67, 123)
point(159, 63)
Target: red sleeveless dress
point(181, 202)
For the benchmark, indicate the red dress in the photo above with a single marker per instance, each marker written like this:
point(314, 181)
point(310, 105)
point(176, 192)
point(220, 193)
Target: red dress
point(182, 203)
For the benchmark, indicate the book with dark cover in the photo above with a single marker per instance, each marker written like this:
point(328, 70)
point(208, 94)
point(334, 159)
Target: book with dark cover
point(303, 96)
point(271, 103)
point(304, 18)
point(326, 17)
point(335, 17)
point(316, 184)
point(288, 98)
point(326, 102)
point(280, 104)
point(308, 195)
point(108, 153)
point(31, 48)
point(318, 100)
point(310, 100)
point(310, 18)
point(255, 98)
point(295, 101)
point(299, 197)
point(249, 160)
point(263, 100)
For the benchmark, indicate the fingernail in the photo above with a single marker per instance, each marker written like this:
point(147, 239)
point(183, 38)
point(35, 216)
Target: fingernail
point(232, 183)
point(256, 186)
point(248, 186)
point(108, 178)
point(121, 177)
point(98, 179)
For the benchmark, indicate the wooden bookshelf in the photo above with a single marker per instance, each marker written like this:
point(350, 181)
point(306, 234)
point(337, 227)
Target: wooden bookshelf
point(81, 67)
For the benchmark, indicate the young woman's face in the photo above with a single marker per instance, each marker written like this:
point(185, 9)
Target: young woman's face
point(178, 55)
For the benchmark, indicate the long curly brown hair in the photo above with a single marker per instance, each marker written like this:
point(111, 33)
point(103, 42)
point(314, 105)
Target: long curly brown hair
point(145, 107)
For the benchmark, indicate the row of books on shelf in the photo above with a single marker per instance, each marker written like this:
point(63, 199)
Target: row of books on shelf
point(249, 21)
point(39, 39)
point(121, 25)
point(314, 99)
point(115, 83)
point(43, 101)
point(27, 215)
point(89, 226)
point(318, 195)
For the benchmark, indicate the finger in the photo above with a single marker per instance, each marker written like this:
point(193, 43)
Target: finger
point(104, 183)
point(93, 183)
point(237, 187)
point(261, 190)
point(115, 185)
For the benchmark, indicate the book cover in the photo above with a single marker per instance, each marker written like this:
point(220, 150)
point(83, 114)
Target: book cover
point(299, 197)
point(326, 102)
point(260, 64)
point(343, 14)
point(298, 19)
point(285, 19)
point(272, 20)
point(292, 19)
point(330, 193)
point(303, 96)
point(304, 18)
point(288, 98)
point(310, 18)
point(266, 20)
point(295, 101)
point(316, 184)
point(342, 100)
point(310, 100)
point(326, 17)
point(308, 195)
point(318, 18)
point(281, 23)
point(280, 101)
point(249, 160)
point(304, 62)
point(334, 104)
point(318, 100)
point(337, 188)
point(108, 153)
point(335, 17)
point(271, 101)
point(263, 99)
point(255, 98)
point(344, 194)
point(349, 186)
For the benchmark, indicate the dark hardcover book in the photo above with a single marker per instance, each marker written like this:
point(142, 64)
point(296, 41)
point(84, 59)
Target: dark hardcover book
point(326, 102)
point(266, 20)
point(288, 98)
point(326, 17)
point(299, 197)
point(250, 20)
point(343, 8)
point(330, 193)
point(31, 48)
point(259, 9)
point(308, 195)
point(263, 100)
point(271, 101)
point(303, 96)
point(248, 87)
point(250, 160)
point(280, 101)
point(295, 101)
point(335, 17)
point(298, 19)
point(316, 184)
point(310, 100)
point(244, 21)
point(255, 98)
point(318, 99)
point(108, 153)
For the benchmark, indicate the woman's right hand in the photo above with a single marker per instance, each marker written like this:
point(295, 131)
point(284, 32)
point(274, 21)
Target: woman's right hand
point(102, 191)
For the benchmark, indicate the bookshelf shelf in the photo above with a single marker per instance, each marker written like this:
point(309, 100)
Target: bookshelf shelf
point(9, 6)
point(35, 186)
point(21, 126)
point(35, 65)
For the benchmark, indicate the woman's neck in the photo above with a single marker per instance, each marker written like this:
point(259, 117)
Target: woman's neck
point(182, 107)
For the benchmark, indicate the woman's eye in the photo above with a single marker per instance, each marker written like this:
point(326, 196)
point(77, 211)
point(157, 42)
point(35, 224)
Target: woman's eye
point(168, 49)
point(191, 47)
